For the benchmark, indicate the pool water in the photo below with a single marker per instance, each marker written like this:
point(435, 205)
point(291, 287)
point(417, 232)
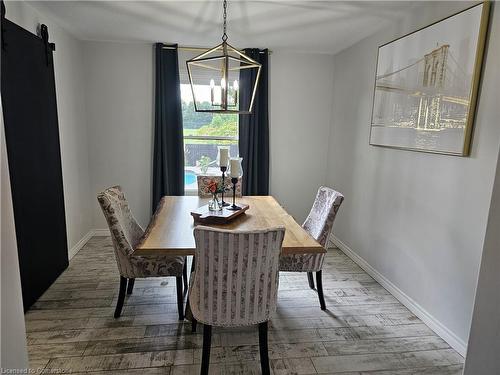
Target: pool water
point(189, 178)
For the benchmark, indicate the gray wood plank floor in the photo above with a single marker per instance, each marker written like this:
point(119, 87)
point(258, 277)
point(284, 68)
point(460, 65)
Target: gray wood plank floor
point(365, 330)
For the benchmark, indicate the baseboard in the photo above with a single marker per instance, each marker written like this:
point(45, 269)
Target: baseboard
point(75, 249)
point(440, 329)
point(101, 232)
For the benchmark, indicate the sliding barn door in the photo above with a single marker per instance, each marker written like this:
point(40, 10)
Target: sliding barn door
point(32, 136)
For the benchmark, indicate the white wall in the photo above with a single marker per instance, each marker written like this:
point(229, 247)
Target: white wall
point(484, 340)
point(300, 117)
point(70, 85)
point(120, 107)
point(13, 354)
point(418, 219)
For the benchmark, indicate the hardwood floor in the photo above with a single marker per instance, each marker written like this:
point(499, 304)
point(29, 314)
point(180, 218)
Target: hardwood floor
point(364, 330)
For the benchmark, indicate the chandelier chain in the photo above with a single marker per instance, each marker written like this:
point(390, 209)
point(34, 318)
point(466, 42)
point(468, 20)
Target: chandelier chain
point(224, 35)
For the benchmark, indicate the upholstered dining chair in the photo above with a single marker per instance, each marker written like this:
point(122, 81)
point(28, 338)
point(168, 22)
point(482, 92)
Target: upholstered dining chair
point(126, 234)
point(204, 180)
point(235, 282)
point(319, 225)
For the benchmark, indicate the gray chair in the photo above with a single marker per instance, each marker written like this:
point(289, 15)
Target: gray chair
point(235, 282)
point(204, 180)
point(319, 225)
point(126, 234)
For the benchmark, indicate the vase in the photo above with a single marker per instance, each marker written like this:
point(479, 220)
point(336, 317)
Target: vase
point(214, 204)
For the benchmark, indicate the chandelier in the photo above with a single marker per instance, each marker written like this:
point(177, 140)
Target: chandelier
point(218, 76)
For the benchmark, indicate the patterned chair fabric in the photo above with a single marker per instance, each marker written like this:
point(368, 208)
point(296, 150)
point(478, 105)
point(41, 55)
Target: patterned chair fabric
point(204, 180)
point(235, 281)
point(319, 224)
point(126, 234)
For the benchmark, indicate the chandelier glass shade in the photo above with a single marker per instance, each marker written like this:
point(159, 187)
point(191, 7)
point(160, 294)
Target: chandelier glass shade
point(219, 75)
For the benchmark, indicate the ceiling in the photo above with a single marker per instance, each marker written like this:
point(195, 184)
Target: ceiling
point(304, 26)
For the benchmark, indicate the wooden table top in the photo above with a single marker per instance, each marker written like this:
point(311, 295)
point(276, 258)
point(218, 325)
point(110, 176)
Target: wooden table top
point(171, 229)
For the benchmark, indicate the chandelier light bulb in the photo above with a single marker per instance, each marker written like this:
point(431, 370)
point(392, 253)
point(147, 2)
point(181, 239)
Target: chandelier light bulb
point(212, 86)
point(223, 94)
point(236, 87)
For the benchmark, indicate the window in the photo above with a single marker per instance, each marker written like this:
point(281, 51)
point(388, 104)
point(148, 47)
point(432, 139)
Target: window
point(203, 134)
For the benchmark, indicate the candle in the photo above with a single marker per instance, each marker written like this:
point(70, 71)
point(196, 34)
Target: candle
point(223, 156)
point(236, 87)
point(212, 86)
point(223, 92)
point(235, 166)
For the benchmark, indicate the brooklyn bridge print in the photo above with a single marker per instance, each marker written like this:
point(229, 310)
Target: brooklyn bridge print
point(424, 86)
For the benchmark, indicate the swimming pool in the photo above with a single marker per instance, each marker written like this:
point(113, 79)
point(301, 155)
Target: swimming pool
point(189, 178)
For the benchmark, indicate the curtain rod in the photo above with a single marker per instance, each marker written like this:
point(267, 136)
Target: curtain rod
point(195, 49)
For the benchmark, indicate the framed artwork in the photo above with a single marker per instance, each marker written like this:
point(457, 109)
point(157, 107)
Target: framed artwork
point(427, 83)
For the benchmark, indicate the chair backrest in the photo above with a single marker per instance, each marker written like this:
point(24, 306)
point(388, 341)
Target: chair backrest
point(319, 222)
point(125, 231)
point(236, 275)
point(204, 180)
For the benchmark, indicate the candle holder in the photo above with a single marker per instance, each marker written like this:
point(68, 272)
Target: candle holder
point(223, 170)
point(234, 207)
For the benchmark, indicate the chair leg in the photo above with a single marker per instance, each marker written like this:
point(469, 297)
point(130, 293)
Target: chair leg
point(188, 314)
point(319, 284)
point(180, 297)
point(193, 325)
point(311, 280)
point(207, 342)
point(185, 275)
point(121, 296)
point(264, 354)
point(130, 287)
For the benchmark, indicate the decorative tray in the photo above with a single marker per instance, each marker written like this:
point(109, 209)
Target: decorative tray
point(204, 215)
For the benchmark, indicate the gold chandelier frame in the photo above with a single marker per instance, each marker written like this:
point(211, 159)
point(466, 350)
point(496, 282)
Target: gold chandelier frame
point(229, 54)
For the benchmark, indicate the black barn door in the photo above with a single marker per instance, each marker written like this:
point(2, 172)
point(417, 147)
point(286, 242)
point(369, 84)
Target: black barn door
point(32, 137)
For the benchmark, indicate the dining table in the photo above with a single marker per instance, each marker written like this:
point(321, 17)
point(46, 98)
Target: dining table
point(170, 231)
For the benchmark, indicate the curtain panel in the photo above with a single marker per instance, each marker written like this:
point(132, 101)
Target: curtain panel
point(168, 154)
point(254, 128)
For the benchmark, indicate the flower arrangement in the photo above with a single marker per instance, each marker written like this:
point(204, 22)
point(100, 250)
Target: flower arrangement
point(216, 187)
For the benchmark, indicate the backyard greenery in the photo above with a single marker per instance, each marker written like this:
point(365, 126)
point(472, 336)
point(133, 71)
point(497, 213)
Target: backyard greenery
point(202, 153)
point(195, 120)
point(207, 124)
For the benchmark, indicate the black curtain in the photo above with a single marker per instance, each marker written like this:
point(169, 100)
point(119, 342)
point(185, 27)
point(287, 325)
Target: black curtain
point(254, 128)
point(168, 155)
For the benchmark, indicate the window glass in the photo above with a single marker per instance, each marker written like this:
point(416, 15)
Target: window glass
point(203, 134)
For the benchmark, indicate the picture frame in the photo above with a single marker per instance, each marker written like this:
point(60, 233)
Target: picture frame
point(426, 85)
